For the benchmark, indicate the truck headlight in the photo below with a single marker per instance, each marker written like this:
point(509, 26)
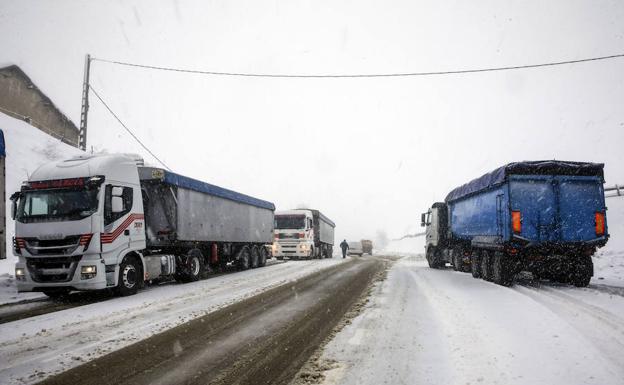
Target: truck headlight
point(88, 272)
point(20, 274)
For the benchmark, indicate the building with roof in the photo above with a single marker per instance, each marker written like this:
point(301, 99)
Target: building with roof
point(20, 98)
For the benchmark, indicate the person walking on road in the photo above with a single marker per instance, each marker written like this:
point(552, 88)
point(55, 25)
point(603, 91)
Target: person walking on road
point(344, 246)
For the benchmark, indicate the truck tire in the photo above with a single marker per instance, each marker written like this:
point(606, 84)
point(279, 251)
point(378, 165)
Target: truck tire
point(255, 257)
point(433, 260)
point(263, 257)
point(244, 261)
point(501, 273)
point(331, 252)
point(129, 276)
point(486, 266)
point(583, 272)
point(475, 265)
point(456, 261)
point(191, 267)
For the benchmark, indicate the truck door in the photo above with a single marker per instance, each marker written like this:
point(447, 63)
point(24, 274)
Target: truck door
point(431, 231)
point(580, 199)
point(534, 200)
point(118, 221)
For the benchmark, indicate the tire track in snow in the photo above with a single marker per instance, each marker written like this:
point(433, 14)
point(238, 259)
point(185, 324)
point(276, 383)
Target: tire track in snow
point(602, 329)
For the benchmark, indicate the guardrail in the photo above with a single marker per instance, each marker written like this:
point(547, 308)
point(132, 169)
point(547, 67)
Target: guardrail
point(619, 191)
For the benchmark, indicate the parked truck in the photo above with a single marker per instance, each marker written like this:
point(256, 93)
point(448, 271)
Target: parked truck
point(303, 233)
point(367, 246)
point(107, 221)
point(545, 217)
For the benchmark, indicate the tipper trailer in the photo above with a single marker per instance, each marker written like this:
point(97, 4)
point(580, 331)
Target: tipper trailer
point(303, 233)
point(546, 217)
point(106, 221)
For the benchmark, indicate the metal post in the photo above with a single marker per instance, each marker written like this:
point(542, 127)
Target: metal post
point(85, 105)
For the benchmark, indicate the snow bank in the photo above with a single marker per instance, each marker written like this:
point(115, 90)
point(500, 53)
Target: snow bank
point(26, 149)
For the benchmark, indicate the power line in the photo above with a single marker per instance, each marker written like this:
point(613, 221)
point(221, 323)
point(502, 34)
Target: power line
point(379, 75)
point(127, 129)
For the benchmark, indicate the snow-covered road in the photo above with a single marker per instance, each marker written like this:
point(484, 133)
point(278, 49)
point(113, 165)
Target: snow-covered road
point(426, 326)
point(36, 347)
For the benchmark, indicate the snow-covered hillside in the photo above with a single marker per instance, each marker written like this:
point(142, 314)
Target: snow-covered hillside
point(406, 246)
point(26, 149)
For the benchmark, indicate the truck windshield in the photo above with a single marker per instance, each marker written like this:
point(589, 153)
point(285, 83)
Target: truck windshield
point(290, 222)
point(57, 204)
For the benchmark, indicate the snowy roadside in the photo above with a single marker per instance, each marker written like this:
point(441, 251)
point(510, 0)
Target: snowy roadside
point(34, 348)
point(432, 326)
point(9, 294)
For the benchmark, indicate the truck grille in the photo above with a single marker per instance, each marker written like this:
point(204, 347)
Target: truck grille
point(63, 246)
point(52, 269)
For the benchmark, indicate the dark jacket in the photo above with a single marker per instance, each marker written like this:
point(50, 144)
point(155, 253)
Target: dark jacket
point(344, 245)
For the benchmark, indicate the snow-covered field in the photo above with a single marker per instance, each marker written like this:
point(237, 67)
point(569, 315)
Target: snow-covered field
point(427, 326)
point(36, 347)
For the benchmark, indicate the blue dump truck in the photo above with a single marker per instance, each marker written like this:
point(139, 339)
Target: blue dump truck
point(545, 217)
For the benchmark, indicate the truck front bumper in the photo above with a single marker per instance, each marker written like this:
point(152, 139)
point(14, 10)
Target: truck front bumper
point(294, 250)
point(37, 276)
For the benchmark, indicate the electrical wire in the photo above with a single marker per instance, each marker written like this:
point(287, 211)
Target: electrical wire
point(127, 129)
point(378, 75)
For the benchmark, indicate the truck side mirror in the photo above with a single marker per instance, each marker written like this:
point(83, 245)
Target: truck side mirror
point(423, 221)
point(13, 209)
point(117, 191)
point(14, 199)
point(116, 203)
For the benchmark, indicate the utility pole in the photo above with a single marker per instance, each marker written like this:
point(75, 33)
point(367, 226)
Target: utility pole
point(82, 134)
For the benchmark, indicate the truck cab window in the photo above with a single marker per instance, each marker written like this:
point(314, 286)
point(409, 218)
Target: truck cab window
point(126, 197)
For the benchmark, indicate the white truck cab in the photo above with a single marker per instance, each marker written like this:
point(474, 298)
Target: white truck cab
point(294, 234)
point(75, 220)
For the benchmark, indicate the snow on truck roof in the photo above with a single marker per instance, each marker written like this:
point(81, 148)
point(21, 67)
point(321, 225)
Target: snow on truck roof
point(540, 167)
point(174, 179)
point(115, 166)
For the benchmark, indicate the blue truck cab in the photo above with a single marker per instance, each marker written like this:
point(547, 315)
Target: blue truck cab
point(546, 217)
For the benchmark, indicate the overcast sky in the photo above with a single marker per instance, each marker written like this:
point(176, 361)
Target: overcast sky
point(370, 153)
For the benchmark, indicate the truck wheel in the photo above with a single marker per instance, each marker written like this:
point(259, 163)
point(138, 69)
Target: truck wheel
point(583, 272)
point(263, 257)
point(486, 266)
point(129, 276)
point(331, 252)
point(433, 256)
point(500, 270)
point(456, 263)
point(255, 257)
point(191, 267)
point(475, 265)
point(244, 259)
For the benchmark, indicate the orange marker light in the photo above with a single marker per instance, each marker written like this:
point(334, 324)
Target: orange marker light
point(516, 221)
point(600, 223)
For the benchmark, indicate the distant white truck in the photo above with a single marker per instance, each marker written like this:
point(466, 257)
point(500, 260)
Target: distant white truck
point(95, 222)
point(303, 233)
